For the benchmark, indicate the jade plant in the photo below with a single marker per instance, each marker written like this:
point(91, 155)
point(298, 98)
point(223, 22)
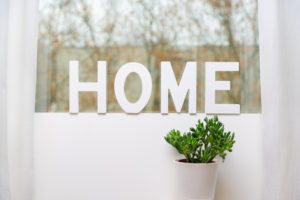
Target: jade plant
point(203, 143)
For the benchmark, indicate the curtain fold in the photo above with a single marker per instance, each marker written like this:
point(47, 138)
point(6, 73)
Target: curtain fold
point(4, 178)
point(280, 80)
point(18, 51)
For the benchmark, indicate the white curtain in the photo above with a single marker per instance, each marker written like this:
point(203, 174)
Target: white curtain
point(279, 23)
point(4, 184)
point(18, 48)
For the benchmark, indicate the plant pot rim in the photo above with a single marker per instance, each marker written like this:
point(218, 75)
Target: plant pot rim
point(182, 161)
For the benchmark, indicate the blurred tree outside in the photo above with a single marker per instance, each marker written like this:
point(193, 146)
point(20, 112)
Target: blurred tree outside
point(146, 31)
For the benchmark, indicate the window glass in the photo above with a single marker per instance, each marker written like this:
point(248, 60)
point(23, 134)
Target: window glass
point(148, 32)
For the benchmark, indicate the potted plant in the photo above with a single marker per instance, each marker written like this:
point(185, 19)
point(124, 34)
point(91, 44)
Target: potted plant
point(197, 172)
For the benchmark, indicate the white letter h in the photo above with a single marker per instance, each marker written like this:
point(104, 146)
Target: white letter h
point(75, 86)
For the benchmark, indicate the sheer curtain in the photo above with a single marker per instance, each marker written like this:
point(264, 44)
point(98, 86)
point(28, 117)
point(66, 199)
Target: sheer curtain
point(4, 184)
point(18, 44)
point(280, 81)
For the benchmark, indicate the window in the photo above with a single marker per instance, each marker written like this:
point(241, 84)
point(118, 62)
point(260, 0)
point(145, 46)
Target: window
point(147, 32)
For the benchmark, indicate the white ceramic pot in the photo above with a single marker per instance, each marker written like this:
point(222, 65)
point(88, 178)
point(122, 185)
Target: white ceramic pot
point(196, 181)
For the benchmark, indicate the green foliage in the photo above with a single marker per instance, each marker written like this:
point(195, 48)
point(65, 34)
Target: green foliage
point(204, 142)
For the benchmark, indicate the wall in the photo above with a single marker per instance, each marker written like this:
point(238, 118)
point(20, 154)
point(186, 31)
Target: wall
point(119, 156)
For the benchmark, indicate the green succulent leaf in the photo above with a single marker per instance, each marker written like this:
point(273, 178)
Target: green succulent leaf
point(204, 142)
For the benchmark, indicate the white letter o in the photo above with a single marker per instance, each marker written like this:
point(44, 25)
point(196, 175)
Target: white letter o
point(120, 79)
